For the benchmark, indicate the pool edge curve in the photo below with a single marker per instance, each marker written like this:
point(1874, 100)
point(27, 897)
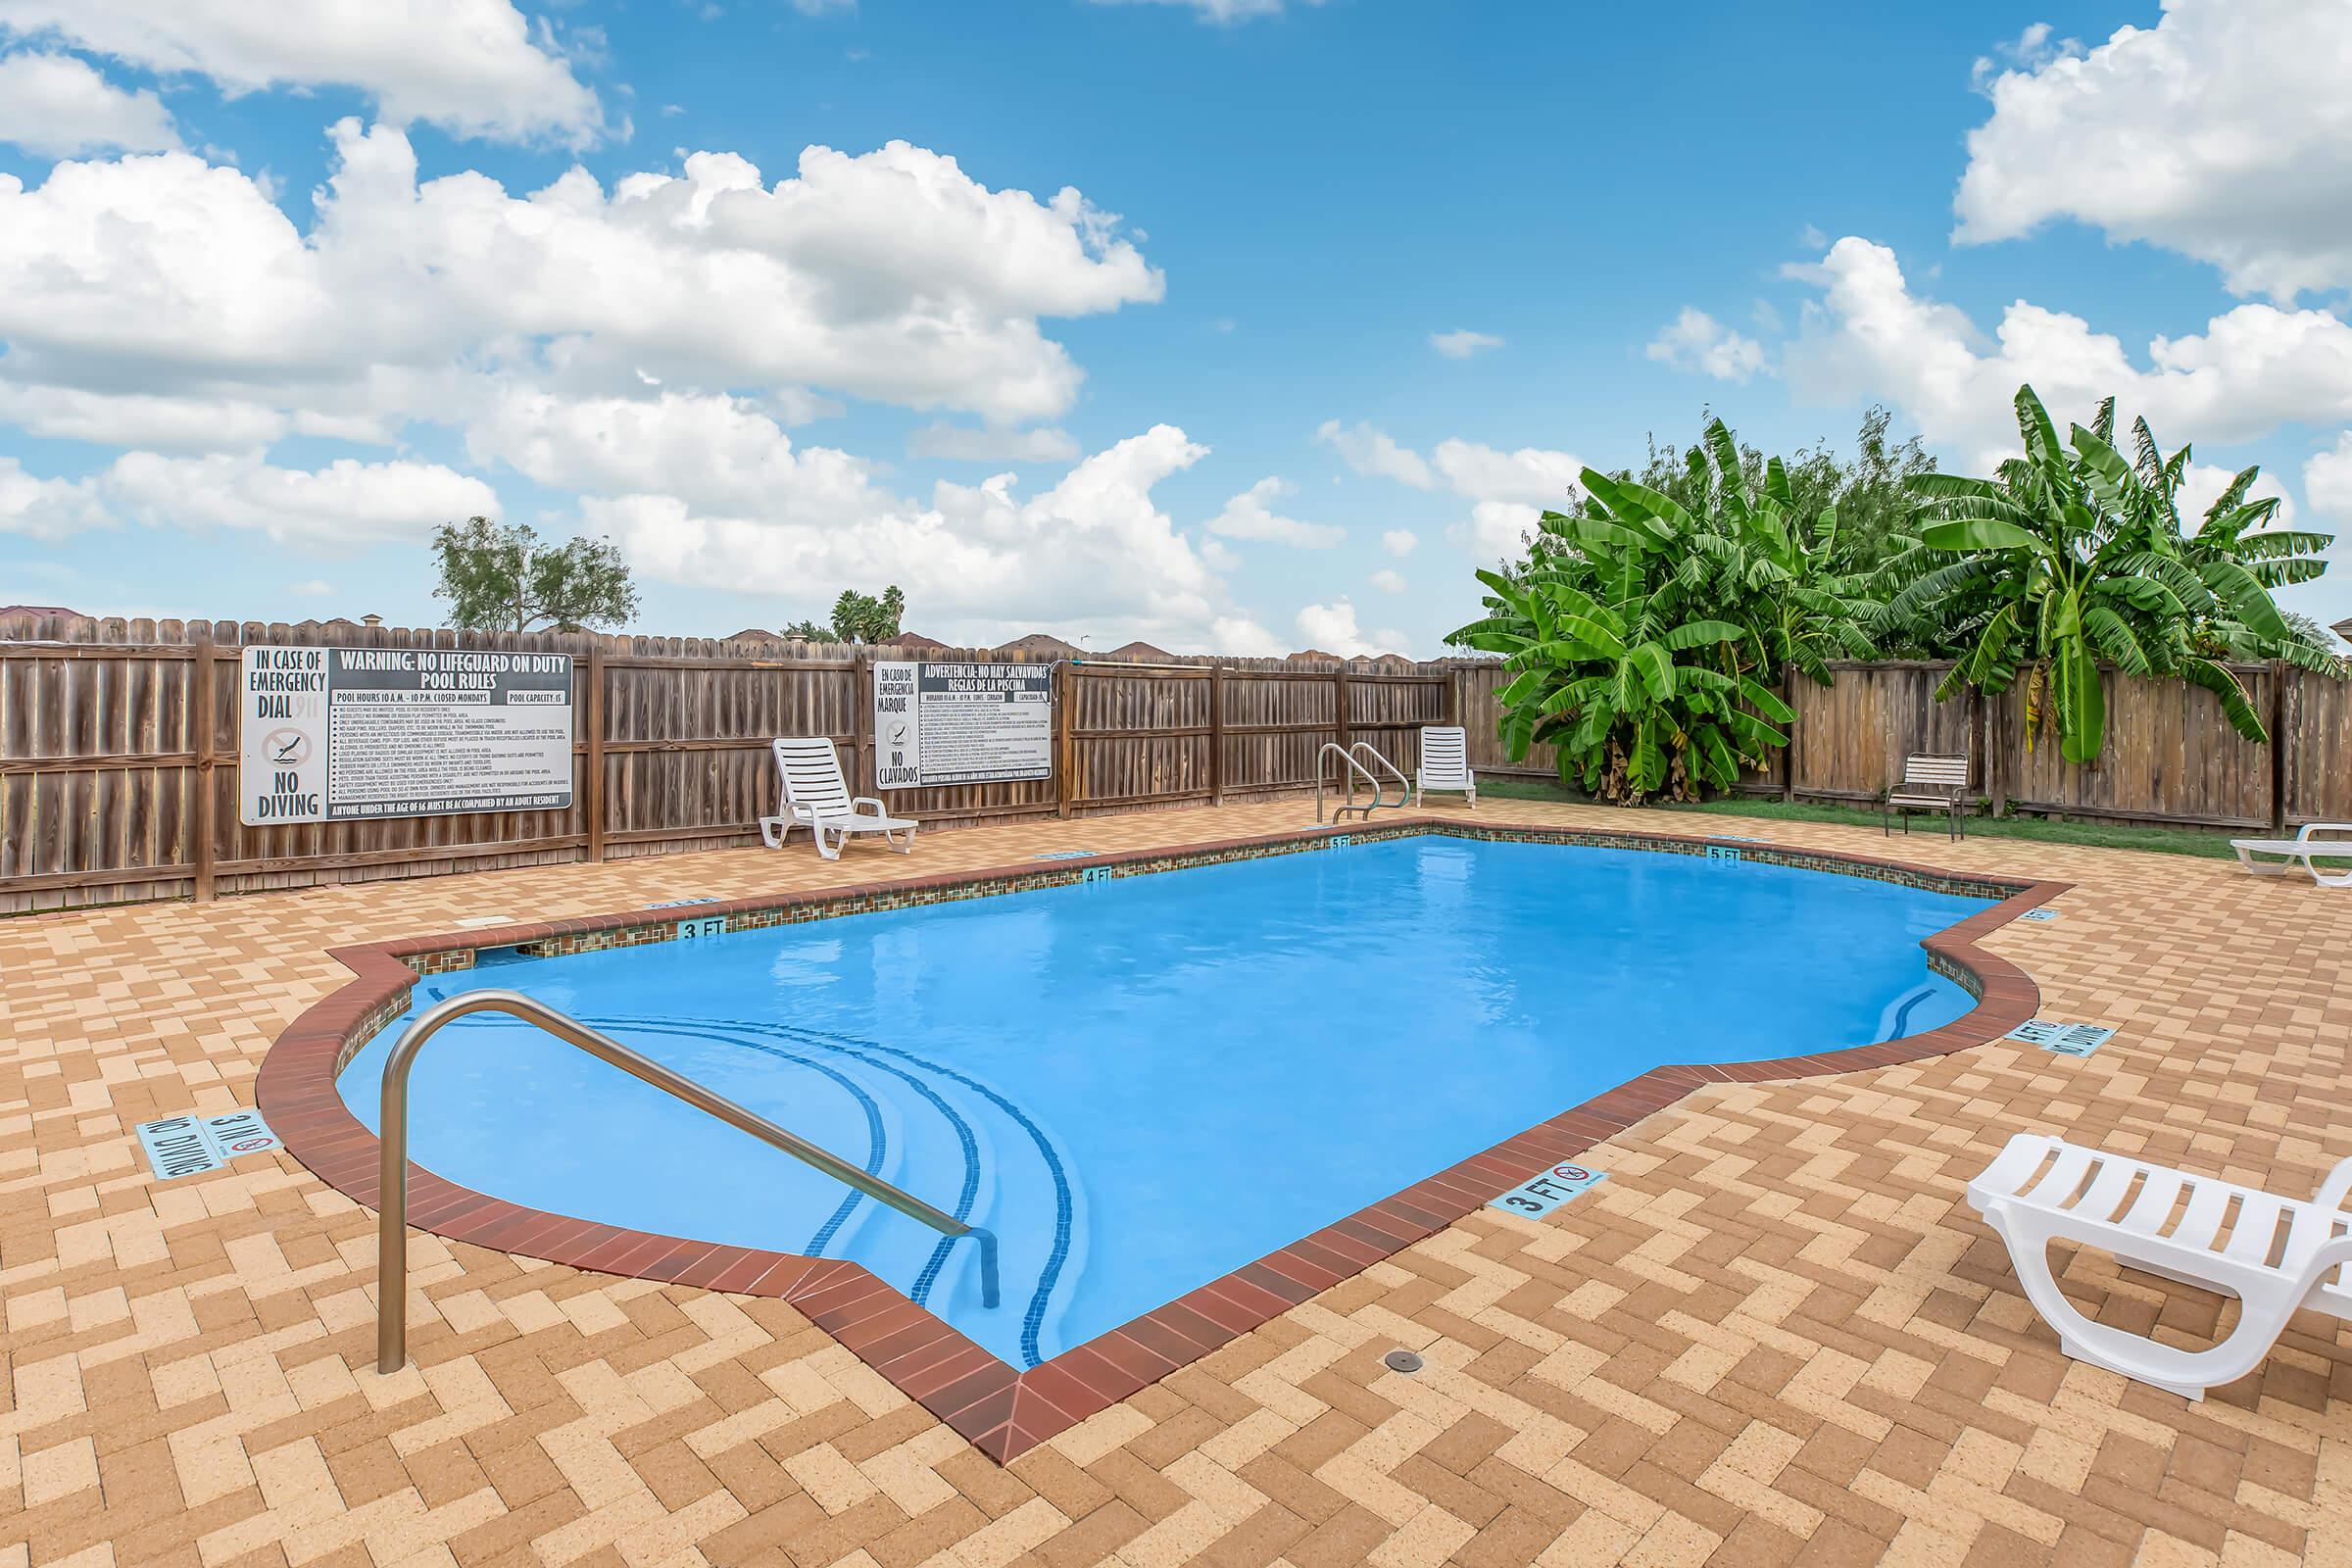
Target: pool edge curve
point(1002, 1411)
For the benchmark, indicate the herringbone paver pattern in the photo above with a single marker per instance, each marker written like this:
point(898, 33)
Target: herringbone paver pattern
point(1773, 1336)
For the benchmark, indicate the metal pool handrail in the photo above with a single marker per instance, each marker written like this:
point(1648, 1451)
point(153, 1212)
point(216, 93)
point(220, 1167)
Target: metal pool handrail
point(1405, 786)
point(1355, 769)
point(392, 1241)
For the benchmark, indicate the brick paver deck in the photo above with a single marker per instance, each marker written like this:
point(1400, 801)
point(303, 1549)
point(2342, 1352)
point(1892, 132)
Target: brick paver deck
point(1773, 1335)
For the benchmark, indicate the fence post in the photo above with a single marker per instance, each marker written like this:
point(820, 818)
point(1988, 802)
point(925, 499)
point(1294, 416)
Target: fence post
point(2280, 774)
point(1216, 735)
point(1997, 771)
point(862, 722)
point(597, 710)
point(208, 794)
point(1339, 695)
point(1065, 742)
point(1789, 751)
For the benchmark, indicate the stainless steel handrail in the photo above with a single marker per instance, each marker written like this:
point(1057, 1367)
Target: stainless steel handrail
point(1405, 786)
point(392, 1133)
point(1355, 769)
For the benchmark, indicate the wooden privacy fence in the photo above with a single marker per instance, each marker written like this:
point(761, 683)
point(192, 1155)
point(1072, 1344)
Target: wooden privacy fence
point(2170, 755)
point(118, 751)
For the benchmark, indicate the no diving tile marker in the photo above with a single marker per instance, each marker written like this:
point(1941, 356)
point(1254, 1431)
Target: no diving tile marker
point(2066, 1039)
point(2045, 912)
point(189, 1146)
point(1066, 855)
point(1548, 1190)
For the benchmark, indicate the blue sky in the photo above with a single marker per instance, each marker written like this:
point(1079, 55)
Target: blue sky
point(1339, 294)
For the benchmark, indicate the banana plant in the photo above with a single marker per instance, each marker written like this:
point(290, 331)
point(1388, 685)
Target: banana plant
point(2235, 553)
point(1617, 657)
point(2073, 555)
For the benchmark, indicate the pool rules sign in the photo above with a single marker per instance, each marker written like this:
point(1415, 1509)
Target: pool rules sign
point(961, 723)
point(356, 734)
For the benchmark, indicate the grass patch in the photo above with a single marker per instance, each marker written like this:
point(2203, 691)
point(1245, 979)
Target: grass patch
point(2206, 844)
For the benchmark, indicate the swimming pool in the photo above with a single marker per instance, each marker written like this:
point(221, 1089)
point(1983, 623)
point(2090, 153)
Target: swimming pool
point(1145, 1084)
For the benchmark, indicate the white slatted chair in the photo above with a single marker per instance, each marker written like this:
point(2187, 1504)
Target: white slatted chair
point(1931, 783)
point(816, 798)
point(2306, 849)
point(1445, 763)
point(2275, 1254)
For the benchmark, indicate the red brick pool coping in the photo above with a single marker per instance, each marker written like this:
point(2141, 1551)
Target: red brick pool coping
point(1002, 1411)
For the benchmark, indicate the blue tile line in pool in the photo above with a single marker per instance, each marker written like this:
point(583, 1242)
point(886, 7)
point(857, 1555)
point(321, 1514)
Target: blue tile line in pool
point(718, 1029)
point(1064, 1205)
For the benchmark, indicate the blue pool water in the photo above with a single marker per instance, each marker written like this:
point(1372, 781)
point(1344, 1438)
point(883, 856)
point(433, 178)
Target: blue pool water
point(1143, 1084)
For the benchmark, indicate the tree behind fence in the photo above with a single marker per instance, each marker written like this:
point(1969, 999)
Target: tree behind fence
point(118, 751)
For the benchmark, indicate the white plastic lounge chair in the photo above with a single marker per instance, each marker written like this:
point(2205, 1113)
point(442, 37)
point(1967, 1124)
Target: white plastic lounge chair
point(1930, 783)
point(1445, 763)
point(2305, 849)
point(2275, 1254)
point(816, 798)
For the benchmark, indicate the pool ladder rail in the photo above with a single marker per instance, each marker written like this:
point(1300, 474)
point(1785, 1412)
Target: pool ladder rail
point(1353, 758)
point(392, 1238)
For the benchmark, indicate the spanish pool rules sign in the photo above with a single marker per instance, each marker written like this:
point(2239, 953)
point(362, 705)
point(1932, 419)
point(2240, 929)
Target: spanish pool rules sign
point(961, 723)
point(352, 734)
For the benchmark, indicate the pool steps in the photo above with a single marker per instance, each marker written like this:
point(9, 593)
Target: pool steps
point(392, 1132)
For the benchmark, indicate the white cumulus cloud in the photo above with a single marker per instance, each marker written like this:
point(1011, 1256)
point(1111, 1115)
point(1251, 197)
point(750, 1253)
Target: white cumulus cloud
point(2252, 368)
point(1370, 451)
point(1388, 580)
point(1532, 476)
point(1462, 344)
point(1218, 11)
point(1094, 554)
point(964, 443)
point(339, 509)
point(1695, 341)
point(1508, 491)
point(2224, 132)
point(472, 66)
point(1252, 515)
point(1332, 629)
point(47, 509)
point(56, 106)
point(1399, 542)
point(889, 276)
point(2327, 481)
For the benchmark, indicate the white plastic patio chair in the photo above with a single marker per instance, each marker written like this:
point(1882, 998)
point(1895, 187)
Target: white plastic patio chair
point(2305, 850)
point(816, 798)
point(1445, 763)
point(2275, 1254)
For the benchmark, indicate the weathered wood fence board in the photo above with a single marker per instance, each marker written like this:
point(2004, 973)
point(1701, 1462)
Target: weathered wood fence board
point(119, 742)
point(118, 750)
point(2170, 755)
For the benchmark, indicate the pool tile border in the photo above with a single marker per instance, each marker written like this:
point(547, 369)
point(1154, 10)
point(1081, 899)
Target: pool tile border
point(1002, 1411)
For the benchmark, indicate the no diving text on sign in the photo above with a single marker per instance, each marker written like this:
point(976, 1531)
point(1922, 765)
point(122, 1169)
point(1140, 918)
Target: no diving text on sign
point(1548, 1190)
point(939, 724)
point(188, 1146)
point(355, 734)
